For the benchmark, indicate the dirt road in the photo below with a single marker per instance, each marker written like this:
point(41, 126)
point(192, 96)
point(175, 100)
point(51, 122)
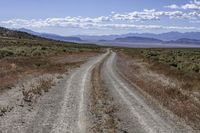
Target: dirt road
point(66, 108)
point(135, 113)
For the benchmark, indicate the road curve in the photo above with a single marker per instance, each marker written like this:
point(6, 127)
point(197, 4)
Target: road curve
point(136, 115)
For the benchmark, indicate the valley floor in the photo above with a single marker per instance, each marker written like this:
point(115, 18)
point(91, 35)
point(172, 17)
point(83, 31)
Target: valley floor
point(95, 97)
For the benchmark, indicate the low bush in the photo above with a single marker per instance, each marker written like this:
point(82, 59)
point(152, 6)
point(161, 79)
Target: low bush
point(43, 85)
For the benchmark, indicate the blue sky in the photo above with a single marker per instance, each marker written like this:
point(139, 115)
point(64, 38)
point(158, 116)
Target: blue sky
point(97, 17)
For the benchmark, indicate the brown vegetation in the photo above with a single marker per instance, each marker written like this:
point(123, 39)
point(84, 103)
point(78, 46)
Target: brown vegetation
point(176, 89)
point(14, 68)
point(35, 90)
point(22, 54)
point(102, 107)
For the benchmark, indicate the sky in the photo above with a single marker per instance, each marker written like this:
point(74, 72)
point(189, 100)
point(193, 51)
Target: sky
point(101, 17)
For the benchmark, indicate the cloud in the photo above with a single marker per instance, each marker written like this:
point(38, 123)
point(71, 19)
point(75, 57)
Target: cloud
point(84, 23)
point(144, 15)
point(56, 21)
point(173, 6)
point(192, 5)
point(112, 21)
point(155, 15)
point(61, 22)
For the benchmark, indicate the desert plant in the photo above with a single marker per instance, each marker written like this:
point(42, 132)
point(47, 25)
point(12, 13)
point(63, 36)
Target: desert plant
point(27, 95)
point(43, 85)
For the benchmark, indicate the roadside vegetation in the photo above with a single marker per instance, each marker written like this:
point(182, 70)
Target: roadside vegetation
point(172, 76)
point(25, 58)
point(35, 90)
point(183, 64)
point(22, 54)
point(14, 47)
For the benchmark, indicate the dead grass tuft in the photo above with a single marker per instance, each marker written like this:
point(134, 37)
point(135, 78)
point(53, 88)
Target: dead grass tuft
point(29, 94)
point(4, 109)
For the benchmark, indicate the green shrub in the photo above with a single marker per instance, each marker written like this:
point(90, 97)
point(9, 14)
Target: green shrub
point(5, 53)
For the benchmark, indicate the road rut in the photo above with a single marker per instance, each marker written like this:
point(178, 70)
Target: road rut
point(136, 115)
point(65, 108)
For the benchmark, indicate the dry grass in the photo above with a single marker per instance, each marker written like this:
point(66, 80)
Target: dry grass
point(101, 105)
point(179, 97)
point(4, 109)
point(14, 68)
point(43, 85)
point(22, 54)
point(180, 64)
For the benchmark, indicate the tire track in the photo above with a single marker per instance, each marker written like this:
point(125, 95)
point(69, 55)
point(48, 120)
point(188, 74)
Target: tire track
point(149, 121)
point(101, 105)
point(72, 115)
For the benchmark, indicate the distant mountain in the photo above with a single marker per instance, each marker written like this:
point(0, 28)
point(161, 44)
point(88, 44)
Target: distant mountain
point(60, 38)
point(186, 41)
point(4, 32)
point(97, 38)
point(28, 31)
point(134, 39)
point(163, 36)
point(52, 36)
point(169, 35)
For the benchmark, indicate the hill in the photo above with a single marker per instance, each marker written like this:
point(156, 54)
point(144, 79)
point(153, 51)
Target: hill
point(186, 41)
point(52, 36)
point(4, 32)
point(135, 39)
point(17, 43)
point(60, 38)
point(168, 36)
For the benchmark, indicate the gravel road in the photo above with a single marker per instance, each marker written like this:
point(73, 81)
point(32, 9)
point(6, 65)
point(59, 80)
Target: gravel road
point(65, 108)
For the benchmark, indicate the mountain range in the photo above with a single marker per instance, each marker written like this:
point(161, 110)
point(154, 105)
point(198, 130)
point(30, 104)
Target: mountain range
point(52, 36)
point(135, 39)
point(169, 36)
point(163, 38)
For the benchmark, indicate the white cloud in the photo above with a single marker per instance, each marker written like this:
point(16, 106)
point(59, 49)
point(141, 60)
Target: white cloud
point(193, 5)
point(62, 22)
point(86, 23)
point(173, 6)
point(144, 15)
point(114, 20)
point(155, 15)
